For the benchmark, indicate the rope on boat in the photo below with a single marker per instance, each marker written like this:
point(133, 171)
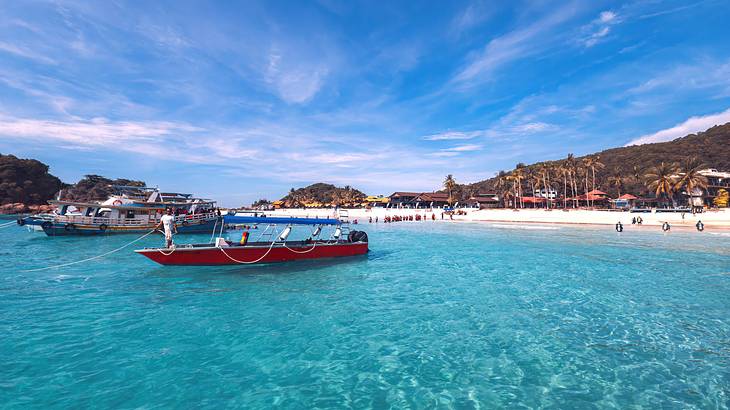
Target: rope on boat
point(248, 263)
point(307, 251)
point(94, 257)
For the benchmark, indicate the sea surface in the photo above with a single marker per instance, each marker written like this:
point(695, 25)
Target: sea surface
point(437, 315)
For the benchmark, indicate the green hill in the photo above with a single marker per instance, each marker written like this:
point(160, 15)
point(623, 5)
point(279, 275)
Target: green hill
point(629, 164)
point(325, 194)
point(26, 181)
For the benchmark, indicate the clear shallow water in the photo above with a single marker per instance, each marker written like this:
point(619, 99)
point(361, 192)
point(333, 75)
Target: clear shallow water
point(437, 315)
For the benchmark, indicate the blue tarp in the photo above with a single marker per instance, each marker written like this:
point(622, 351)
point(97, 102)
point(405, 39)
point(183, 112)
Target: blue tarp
point(231, 219)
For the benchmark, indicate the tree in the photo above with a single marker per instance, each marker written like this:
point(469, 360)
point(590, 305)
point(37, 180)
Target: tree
point(450, 184)
point(660, 179)
point(617, 180)
point(722, 199)
point(690, 179)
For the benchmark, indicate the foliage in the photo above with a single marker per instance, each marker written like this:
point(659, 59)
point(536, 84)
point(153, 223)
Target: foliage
point(324, 194)
point(261, 202)
point(95, 188)
point(26, 181)
point(722, 199)
point(630, 164)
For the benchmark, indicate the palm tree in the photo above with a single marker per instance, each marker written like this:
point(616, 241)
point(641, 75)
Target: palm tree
point(592, 163)
point(660, 179)
point(450, 184)
point(565, 171)
point(690, 179)
point(571, 165)
point(502, 186)
point(519, 175)
point(616, 180)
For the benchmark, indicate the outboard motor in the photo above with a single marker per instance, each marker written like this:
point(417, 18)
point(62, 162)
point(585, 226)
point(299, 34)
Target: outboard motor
point(357, 236)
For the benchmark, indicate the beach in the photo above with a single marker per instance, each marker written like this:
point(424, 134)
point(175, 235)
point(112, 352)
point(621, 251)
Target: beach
point(714, 219)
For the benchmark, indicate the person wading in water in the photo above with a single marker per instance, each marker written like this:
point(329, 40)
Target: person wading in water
point(168, 223)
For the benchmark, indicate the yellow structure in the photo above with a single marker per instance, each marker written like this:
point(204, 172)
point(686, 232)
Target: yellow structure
point(373, 200)
point(722, 199)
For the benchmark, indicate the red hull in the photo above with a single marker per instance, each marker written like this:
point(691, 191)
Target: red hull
point(242, 255)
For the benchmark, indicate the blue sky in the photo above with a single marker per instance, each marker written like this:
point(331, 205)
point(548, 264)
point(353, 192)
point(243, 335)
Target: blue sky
point(242, 101)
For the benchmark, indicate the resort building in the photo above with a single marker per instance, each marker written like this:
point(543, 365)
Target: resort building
point(419, 200)
point(716, 181)
point(546, 193)
point(484, 200)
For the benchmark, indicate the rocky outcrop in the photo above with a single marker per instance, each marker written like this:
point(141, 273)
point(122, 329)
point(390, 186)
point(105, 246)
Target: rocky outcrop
point(21, 208)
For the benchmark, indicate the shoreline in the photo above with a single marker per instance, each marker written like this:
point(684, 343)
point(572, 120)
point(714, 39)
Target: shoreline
point(714, 220)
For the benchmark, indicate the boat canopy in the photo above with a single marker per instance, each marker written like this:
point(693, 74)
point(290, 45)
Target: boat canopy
point(232, 219)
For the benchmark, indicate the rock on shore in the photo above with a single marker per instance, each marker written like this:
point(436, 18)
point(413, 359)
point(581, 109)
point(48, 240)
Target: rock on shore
point(21, 208)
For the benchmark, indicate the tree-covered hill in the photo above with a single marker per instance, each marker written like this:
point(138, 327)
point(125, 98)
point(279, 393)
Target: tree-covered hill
point(95, 188)
point(26, 181)
point(616, 170)
point(324, 194)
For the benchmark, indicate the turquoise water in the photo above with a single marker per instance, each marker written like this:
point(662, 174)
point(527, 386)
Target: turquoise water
point(437, 315)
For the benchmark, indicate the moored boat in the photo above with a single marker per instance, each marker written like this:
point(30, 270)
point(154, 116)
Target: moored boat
point(339, 243)
point(129, 210)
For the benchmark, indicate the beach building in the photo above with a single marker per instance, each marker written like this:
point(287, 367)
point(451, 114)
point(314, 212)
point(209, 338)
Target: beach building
point(418, 199)
point(432, 200)
point(716, 181)
point(400, 199)
point(484, 200)
point(546, 193)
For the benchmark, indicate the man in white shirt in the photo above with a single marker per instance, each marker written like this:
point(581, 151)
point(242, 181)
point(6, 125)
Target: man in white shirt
point(168, 223)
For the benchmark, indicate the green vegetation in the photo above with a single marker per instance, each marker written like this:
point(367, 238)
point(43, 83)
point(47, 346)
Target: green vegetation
point(94, 188)
point(26, 181)
point(643, 170)
point(322, 194)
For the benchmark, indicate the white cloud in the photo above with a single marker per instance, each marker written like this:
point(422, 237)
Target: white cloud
point(25, 53)
point(513, 46)
point(533, 127)
point(294, 81)
point(692, 125)
point(453, 135)
point(599, 28)
point(606, 16)
point(463, 148)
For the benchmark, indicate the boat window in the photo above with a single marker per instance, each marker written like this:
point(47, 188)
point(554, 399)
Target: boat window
point(63, 210)
point(130, 214)
point(89, 211)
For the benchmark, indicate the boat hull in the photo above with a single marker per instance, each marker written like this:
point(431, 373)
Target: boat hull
point(243, 255)
point(63, 229)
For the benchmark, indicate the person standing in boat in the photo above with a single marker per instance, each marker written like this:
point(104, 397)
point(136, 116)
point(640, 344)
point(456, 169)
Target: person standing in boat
point(167, 222)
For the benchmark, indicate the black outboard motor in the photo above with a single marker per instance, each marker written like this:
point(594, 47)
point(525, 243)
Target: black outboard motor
point(357, 236)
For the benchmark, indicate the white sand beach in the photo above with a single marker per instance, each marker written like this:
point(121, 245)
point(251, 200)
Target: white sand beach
point(714, 219)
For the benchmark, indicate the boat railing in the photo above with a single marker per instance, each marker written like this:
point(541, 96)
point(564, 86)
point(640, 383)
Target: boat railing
point(94, 220)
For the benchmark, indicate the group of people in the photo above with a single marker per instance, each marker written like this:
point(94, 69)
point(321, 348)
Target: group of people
point(402, 218)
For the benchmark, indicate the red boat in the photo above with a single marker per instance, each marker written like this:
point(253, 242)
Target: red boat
point(225, 252)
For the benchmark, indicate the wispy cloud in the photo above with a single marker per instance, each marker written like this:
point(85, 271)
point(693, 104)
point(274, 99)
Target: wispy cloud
point(294, 81)
point(453, 135)
point(692, 125)
point(512, 46)
point(599, 28)
point(474, 14)
point(25, 52)
point(463, 148)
